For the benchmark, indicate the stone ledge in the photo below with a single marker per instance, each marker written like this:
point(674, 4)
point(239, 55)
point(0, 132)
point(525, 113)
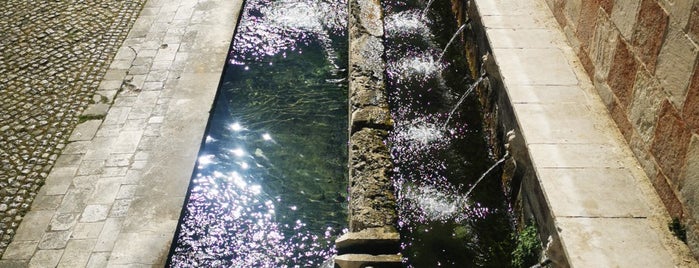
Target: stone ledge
point(583, 185)
point(366, 261)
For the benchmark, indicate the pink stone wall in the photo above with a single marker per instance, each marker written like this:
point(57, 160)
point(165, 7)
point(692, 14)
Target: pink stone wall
point(642, 58)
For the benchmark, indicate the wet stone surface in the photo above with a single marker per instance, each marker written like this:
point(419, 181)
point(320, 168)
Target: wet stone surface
point(53, 55)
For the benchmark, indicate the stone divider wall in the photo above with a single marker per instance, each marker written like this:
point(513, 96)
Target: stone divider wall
point(373, 239)
point(642, 56)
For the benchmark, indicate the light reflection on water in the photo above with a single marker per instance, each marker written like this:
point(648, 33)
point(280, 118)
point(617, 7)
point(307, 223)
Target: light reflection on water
point(269, 189)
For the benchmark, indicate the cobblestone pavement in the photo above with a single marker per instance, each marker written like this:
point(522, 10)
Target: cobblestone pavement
point(53, 55)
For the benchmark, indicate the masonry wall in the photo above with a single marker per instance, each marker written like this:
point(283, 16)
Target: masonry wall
point(642, 58)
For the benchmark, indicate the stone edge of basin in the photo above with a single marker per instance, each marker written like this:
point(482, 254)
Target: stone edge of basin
point(582, 185)
point(372, 239)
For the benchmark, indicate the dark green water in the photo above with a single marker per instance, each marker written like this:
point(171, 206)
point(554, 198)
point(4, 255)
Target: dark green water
point(270, 185)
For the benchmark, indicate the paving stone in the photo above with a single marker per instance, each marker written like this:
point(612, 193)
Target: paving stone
point(59, 180)
point(87, 230)
point(109, 234)
point(54, 240)
point(607, 242)
point(77, 253)
point(94, 213)
point(140, 248)
point(36, 222)
point(85, 131)
point(63, 221)
point(21, 250)
point(46, 258)
point(513, 62)
point(98, 260)
point(97, 109)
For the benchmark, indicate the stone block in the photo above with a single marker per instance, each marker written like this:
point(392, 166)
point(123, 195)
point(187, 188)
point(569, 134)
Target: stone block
point(142, 248)
point(586, 23)
point(624, 16)
point(572, 11)
point(33, 225)
point(592, 192)
point(59, 180)
point(586, 62)
point(560, 123)
point(619, 115)
point(63, 221)
point(576, 156)
point(370, 16)
point(366, 260)
point(371, 199)
point(676, 66)
point(649, 32)
point(77, 253)
point(667, 195)
point(97, 109)
point(373, 117)
point(552, 67)
point(94, 213)
point(689, 184)
point(366, 57)
point(670, 142)
point(85, 131)
point(693, 22)
point(54, 240)
point(612, 242)
point(382, 240)
point(604, 41)
point(645, 104)
point(46, 258)
point(108, 235)
point(607, 6)
point(690, 112)
point(20, 250)
point(622, 74)
point(679, 12)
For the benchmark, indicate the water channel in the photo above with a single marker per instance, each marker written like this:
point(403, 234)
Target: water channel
point(270, 186)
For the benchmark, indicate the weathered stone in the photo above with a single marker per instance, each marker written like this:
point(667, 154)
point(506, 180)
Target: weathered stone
point(649, 32)
point(645, 105)
point(667, 195)
point(366, 56)
point(370, 16)
point(367, 92)
point(382, 240)
point(693, 23)
point(676, 65)
point(373, 117)
point(371, 199)
point(670, 143)
point(622, 74)
point(366, 260)
point(604, 41)
point(85, 131)
point(558, 12)
point(624, 16)
point(572, 11)
point(586, 23)
point(689, 184)
point(97, 109)
point(690, 112)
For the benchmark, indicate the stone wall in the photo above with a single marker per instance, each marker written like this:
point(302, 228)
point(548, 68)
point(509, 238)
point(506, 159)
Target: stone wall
point(642, 58)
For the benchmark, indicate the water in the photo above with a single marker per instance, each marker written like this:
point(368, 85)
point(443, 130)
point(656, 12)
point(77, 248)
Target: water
point(463, 98)
point(452, 210)
point(453, 37)
point(269, 189)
